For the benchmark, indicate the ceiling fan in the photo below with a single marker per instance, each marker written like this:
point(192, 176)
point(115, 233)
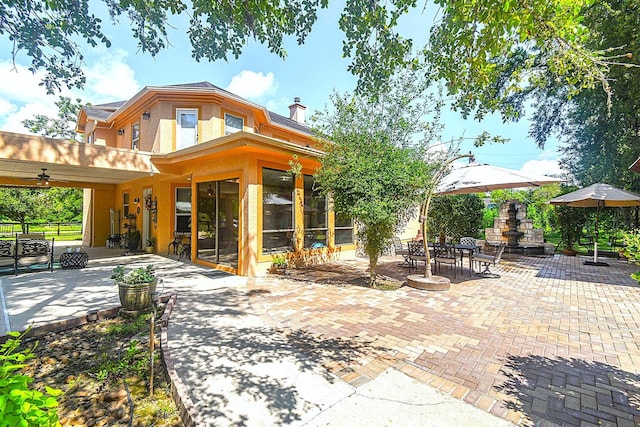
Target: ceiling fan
point(43, 179)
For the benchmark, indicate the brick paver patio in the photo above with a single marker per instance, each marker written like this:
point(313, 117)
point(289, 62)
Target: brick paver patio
point(551, 342)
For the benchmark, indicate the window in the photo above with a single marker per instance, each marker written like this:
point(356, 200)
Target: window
point(186, 127)
point(344, 230)
point(232, 124)
point(315, 216)
point(277, 211)
point(135, 136)
point(125, 205)
point(183, 210)
point(91, 138)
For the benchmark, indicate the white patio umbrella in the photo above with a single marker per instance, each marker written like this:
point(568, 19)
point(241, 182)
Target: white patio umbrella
point(596, 196)
point(481, 177)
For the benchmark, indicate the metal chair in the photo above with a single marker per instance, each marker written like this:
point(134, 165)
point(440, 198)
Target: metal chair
point(468, 241)
point(486, 261)
point(400, 250)
point(416, 254)
point(446, 254)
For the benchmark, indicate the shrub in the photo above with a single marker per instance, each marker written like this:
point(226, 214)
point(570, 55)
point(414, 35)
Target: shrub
point(19, 404)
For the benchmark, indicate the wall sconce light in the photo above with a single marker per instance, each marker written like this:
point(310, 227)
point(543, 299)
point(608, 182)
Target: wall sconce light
point(120, 132)
point(146, 115)
point(136, 200)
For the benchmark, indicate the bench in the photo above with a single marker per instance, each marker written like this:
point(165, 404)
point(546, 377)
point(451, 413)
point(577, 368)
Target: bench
point(25, 251)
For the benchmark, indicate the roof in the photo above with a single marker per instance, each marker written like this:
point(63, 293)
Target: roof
point(107, 111)
point(286, 121)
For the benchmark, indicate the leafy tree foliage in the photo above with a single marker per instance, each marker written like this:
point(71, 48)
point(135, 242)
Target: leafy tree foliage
point(62, 126)
point(21, 204)
point(470, 47)
point(456, 215)
point(25, 205)
point(601, 139)
point(374, 166)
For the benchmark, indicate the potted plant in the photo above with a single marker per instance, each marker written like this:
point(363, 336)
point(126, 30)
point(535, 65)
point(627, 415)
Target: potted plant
point(135, 287)
point(279, 263)
point(133, 240)
point(151, 245)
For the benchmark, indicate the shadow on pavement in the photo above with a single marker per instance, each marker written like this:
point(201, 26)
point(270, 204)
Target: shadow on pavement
point(571, 391)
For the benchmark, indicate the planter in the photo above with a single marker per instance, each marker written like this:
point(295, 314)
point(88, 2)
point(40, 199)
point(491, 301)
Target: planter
point(569, 252)
point(149, 249)
point(136, 297)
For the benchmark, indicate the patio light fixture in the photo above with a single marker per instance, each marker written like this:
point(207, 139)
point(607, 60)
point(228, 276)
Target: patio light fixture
point(146, 115)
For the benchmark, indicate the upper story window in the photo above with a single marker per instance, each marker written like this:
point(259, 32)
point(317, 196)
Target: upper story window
point(135, 136)
point(186, 127)
point(232, 124)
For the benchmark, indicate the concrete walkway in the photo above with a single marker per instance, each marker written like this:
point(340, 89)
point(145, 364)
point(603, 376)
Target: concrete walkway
point(238, 368)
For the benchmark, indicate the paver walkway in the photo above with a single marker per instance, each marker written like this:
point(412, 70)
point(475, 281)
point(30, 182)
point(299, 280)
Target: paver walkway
point(552, 342)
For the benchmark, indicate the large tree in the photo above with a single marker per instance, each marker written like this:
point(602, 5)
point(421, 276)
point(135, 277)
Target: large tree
point(469, 45)
point(21, 204)
point(601, 138)
point(62, 126)
point(374, 169)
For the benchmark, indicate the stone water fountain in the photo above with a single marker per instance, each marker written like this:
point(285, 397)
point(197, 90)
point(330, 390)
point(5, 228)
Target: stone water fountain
point(512, 227)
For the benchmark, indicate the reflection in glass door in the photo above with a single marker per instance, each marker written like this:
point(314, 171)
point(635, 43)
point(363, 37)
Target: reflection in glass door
point(218, 220)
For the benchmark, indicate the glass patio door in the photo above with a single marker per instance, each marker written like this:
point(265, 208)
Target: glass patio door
point(218, 220)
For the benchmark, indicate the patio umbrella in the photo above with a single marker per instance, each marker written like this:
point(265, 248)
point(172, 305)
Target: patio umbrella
point(596, 196)
point(481, 177)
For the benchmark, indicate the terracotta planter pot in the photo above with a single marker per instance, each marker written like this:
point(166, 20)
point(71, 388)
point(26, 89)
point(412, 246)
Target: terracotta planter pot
point(136, 297)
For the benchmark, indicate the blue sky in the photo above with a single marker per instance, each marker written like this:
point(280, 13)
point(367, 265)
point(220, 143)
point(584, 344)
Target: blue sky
point(311, 71)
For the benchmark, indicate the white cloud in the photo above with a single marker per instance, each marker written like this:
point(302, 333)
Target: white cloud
point(18, 85)
point(252, 85)
point(27, 111)
point(542, 167)
point(109, 78)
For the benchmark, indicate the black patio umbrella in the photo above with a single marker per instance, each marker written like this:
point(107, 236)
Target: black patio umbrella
point(597, 196)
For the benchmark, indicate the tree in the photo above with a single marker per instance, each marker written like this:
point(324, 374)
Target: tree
point(456, 215)
point(469, 47)
point(21, 204)
point(62, 126)
point(374, 168)
point(600, 140)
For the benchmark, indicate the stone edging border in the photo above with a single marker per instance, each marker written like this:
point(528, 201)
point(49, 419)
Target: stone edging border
point(188, 412)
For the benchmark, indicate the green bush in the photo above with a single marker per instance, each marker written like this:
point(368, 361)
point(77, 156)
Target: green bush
point(19, 404)
point(632, 250)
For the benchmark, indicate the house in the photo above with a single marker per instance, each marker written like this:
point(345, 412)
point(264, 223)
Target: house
point(197, 162)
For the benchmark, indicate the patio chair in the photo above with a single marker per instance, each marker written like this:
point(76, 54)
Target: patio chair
point(446, 254)
point(400, 250)
point(416, 254)
point(468, 241)
point(486, 261)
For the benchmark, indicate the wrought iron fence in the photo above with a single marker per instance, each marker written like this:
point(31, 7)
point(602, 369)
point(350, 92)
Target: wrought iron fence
point(10, 229)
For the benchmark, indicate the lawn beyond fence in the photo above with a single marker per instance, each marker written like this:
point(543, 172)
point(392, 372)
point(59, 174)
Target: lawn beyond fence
point(59, 230)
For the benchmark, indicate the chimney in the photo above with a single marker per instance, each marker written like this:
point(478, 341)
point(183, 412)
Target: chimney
point(296, 110)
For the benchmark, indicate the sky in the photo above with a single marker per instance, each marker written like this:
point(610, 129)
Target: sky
point(311, 71)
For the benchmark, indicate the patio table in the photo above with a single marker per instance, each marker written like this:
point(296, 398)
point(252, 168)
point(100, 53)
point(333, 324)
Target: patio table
point(469, 248)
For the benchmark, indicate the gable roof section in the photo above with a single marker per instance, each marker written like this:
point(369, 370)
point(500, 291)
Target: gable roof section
point(290, 123)
point(110, 111)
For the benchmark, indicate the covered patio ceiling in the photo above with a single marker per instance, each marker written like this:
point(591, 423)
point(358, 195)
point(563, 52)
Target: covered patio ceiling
point(69, 164)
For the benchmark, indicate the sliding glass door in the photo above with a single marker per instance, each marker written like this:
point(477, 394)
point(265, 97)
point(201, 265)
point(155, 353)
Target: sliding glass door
point(218, 220)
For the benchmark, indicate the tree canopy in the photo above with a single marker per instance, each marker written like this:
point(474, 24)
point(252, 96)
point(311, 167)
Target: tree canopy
point(471, 46)
point(374, 168)
point(62, 126)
